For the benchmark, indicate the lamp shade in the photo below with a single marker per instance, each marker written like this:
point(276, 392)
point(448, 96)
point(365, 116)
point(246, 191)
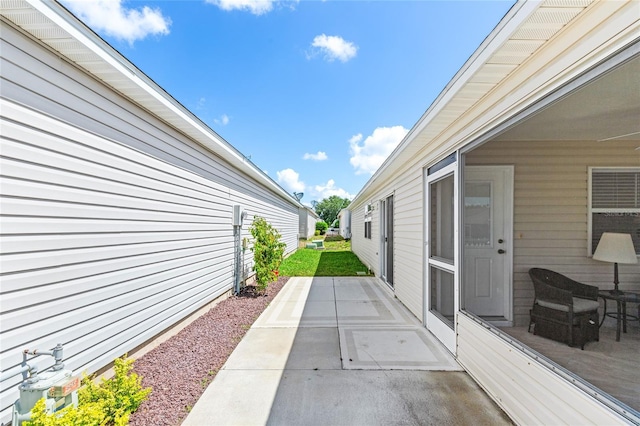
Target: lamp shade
point(616, 248)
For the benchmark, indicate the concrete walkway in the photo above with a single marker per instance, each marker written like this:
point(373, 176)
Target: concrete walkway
point(341, 351)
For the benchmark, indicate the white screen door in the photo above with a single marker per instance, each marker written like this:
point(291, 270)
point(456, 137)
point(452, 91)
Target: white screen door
point(441, 251)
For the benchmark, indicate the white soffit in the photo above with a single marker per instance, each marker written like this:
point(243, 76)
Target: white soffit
point(54, 26)
point(502, 53)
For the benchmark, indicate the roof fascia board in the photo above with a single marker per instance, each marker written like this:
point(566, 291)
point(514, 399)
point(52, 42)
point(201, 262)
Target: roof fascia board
point(62, 18)
point(514, 18)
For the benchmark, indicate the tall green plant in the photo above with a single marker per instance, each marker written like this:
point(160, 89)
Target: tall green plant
point(268, 251)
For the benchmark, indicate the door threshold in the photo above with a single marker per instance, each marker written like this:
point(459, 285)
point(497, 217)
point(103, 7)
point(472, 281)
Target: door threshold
point(497, 321)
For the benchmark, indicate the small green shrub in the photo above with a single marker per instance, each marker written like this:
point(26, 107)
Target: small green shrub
point(322, 227)
point(85, 415)
point(268, 252)
point(316, 233)
point(109, 402)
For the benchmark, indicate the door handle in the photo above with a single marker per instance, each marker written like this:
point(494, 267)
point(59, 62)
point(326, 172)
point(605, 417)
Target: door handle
point(501, 251)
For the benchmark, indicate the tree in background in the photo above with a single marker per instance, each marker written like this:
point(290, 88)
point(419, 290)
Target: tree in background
point(329, 208)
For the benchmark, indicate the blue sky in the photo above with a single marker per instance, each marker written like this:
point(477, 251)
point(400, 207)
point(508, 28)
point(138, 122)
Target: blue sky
point(316, 93)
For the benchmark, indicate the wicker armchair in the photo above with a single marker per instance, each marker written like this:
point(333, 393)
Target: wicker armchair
point(563, 309)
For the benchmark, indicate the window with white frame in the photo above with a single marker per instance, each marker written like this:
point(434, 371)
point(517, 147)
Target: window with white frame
point(614, 203)
point(368, 209)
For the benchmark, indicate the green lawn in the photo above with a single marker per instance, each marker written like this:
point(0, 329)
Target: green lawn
point(336, 260)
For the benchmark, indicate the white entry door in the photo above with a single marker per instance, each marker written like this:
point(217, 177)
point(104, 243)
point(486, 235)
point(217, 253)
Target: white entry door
point(487, 280)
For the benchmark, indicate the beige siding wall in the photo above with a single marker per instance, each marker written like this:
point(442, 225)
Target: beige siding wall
point(551, 209)
point(366, 249)
point(407, 237)
point(408, 241)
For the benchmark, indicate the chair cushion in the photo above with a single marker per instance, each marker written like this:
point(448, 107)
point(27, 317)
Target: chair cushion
point(579, 305)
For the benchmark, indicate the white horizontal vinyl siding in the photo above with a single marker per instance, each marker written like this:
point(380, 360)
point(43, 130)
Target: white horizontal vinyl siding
point(366, 249)
point(407, 237)
point(114, 226)
point(408, 241)
point(551, 210)
point(311, 225)
point(530, 393)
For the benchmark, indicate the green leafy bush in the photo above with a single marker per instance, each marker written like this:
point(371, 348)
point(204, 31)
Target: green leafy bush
point(322, 227)
point(268, 251)
point(109, 402)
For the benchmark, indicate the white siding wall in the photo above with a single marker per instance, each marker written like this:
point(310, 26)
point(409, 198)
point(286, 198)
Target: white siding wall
point(115, 226)
point(530, 392)
point(345, 223)
point(366, 249)
point(307, 223)
point(407, 237)
point(408, 241)
point(551, 210)
point(311, 225)
point(303, 225)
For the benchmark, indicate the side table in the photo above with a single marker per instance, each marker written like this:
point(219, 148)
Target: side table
point(620, 315)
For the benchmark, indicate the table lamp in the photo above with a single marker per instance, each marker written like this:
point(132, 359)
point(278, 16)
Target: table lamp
point(615, 248)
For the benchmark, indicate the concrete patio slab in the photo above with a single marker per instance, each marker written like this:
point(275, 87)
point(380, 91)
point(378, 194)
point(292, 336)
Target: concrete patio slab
point(381, 398)
point(372, 313)
point(321, 293)
point(312, 359)
point(262, 349)
point(299, 314)
point(345, 291)
point(315, 349)
point(236, 397)
point(393, 348)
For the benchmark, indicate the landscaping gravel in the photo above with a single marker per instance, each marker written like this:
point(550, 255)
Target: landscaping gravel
point(179, 370)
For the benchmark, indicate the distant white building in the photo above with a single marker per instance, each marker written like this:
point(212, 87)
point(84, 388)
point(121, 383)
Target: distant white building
point(308, 220)
point(345, 223)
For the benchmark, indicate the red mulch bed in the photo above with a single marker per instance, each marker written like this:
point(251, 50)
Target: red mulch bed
point(180, 369)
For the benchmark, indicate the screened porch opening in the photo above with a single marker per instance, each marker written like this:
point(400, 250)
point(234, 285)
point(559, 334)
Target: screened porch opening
point(576, 169)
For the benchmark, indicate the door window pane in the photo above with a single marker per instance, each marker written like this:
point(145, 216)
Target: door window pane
point(442, 218)
point(442, 294)
point(477, 214)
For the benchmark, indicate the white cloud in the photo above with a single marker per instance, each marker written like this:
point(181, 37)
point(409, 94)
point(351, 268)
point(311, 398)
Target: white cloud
point(290, 180)
point(114, 19)
point(201, 103)
point(224, 120)
point(320, 156)
point(368, 156)
point(257, 7)
point(328, 189)
point(333, 47)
